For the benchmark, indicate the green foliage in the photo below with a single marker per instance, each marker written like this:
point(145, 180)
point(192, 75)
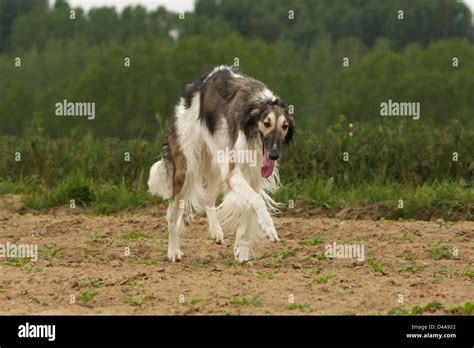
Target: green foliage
point(466, 308)
point(300, 59)
point(377, 155)
point(439, 250)
point(323, 279)
point(87, 296)
point(132, 236)
point(416, 310)
point(305, 307)
point(424, 20)
point(72, 188)
point(313, 241)
point(413, 268)
point(244, 301)
point(417, 74)
point(375, 265)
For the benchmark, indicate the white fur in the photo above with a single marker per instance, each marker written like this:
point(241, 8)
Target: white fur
point(266, 94)
point(159, 182)
point(246, 207)
point(221, 68)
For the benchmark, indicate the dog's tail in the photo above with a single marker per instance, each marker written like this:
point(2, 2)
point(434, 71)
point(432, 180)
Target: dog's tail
point(159, 182)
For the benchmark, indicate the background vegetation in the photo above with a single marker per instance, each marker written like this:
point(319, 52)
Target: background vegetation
point(337, 108)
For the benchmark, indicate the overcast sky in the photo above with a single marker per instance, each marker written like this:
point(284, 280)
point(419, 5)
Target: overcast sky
point(174, 5)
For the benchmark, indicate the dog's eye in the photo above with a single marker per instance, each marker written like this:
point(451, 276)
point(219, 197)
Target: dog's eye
point(266, 124)
point(284, 127)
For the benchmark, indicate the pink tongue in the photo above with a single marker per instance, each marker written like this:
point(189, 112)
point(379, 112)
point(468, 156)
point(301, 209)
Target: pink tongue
point(267, 166)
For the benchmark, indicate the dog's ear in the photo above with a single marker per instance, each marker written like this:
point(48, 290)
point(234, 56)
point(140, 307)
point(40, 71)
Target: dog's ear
point(252, 112)
point(254, 109)
point(291, 130)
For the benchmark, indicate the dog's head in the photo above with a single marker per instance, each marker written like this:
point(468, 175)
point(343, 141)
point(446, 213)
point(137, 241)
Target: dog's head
point(273, 122)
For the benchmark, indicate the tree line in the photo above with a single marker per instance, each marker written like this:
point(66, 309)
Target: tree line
point(327, 58)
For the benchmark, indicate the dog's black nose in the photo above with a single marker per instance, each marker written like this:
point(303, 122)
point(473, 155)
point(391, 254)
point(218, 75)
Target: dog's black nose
point(274, 155)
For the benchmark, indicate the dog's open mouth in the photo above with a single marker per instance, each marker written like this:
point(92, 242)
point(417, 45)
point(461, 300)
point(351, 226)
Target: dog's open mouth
point(267, 166)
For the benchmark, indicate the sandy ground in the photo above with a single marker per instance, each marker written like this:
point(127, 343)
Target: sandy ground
point(82, 259)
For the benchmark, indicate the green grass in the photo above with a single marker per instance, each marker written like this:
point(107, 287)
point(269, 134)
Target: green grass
point(92, 170)
point(321, 256)
point(132, 236)
point(28, 269)
point(313, 241)
point(305, 307)
point(407, 255)
point(136, 300)
point(285, 254)
point(102, 198)
point(416, 310)
point(87, 296)
point(448, 199)
point(96, 237)
point(7, 187)
point(470, 274)
point(17, 262)
point(464, 308)
point(51, 253)
point(112, 199)
point(39, 301)
point(323, 279)
point(375, 265)
point(193, 302)
point(74, 187)
point(439, 251)
point(244, 301)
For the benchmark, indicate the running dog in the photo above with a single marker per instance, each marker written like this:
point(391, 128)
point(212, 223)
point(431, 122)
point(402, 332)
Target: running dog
point(223, 120)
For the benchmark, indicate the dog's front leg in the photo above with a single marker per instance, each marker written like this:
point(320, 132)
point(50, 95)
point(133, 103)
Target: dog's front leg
point(250, 199)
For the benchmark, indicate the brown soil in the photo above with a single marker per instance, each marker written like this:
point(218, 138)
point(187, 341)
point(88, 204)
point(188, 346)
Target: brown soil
point(208, 280)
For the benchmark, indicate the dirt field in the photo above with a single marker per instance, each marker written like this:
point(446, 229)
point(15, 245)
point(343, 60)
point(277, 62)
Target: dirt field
point(82, 258)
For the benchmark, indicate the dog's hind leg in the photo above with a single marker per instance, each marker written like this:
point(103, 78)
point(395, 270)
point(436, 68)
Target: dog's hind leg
point(176, 208)
point(175, 219)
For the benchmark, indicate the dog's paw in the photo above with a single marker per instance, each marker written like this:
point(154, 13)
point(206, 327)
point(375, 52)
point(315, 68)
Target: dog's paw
point(216, 234)
point(273, 236)
point(175, 255)
point(236, 252)
point(242, 253)
point(269, 230)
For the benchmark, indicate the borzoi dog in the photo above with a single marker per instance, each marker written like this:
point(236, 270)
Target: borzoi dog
point(225, 137)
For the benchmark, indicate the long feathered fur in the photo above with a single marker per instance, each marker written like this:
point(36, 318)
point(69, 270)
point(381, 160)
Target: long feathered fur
point(213, 115)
